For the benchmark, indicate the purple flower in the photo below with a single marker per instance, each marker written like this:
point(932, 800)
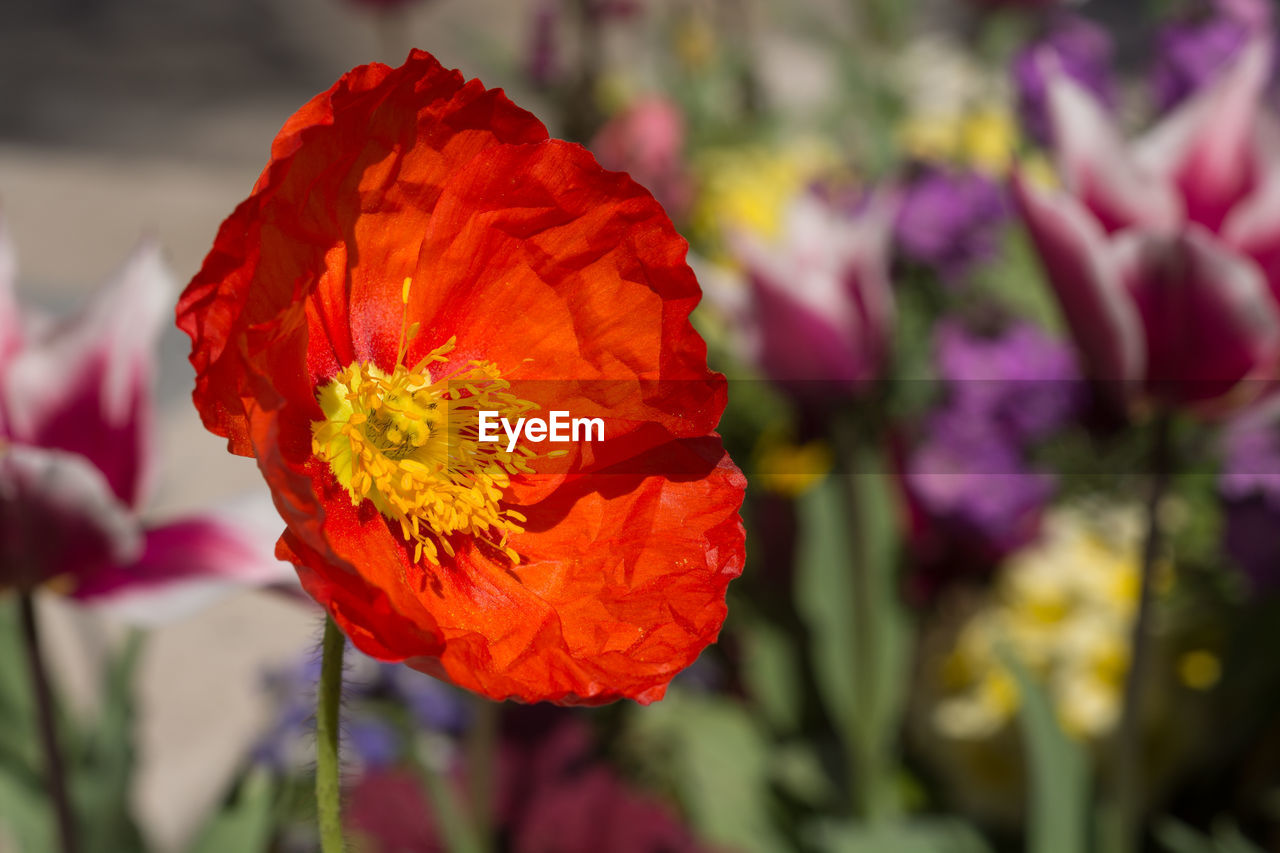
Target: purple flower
point(290, 741)
point(1079, 49)
point(1190, 52)
point(553, 795)
point(971, 502)
point(969, 477)
point(542, 63)
point(971, 494)
point(1251, 457)
point(950, 220)
point(1020, 379)
point(1250, 486)
point(1249, 538)
point(374, 740)
point(434, 704)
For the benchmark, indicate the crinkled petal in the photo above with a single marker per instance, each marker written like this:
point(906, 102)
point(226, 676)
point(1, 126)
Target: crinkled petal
point(1077, 258)
point(86, 386)
point(354, 163)
point(58, 518)
point(621, 585)
point(573, 282)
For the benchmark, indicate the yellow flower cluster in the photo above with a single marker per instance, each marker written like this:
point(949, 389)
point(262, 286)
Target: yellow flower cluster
point(984, 138)
point(957, 109)
point(1065, 607)
point(748, 188)
point(789, 469)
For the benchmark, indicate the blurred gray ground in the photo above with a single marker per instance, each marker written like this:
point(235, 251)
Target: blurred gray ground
point(146, 95)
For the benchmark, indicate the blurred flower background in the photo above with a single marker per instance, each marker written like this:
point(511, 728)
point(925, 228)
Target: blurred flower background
point(995, 286)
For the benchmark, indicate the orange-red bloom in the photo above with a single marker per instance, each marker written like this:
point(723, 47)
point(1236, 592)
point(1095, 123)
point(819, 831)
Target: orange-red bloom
point(416, 251)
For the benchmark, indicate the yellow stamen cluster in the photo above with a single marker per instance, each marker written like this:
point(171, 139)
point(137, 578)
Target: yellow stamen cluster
point(409, 443)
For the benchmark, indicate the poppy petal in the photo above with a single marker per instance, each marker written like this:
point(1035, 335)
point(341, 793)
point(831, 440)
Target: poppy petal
point(621, 584)
point(352, 162)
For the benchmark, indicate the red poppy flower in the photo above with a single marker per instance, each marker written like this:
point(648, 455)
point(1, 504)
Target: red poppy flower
point(418, 251)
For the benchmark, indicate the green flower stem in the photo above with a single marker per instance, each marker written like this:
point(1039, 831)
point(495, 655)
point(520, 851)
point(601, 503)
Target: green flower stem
point(868, 735)
point(482, 755)
point(55, 769)
point(328, 779)
point(862, 751)
point(1124, 833)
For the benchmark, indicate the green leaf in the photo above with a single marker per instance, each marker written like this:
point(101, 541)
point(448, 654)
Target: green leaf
point(102, 761)
point(824, 591)
point(720, 768)
point(771, 668)
point(1176, 837)
point(924, 836)
point(18, 738)
point(847, 593)
point(245, 824)
point(796, 769)
point(1231, 840)
point(1058, 772)
point(98, 756)
point(25, 816)
point(1016, 281)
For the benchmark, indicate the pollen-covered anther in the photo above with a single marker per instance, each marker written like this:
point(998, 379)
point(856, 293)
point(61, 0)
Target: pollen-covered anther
point(410, 445)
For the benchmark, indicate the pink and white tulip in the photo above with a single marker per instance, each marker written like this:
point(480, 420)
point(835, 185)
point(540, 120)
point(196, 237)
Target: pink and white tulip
point(1165, 253)
point(821, 311)
point(77, 453)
